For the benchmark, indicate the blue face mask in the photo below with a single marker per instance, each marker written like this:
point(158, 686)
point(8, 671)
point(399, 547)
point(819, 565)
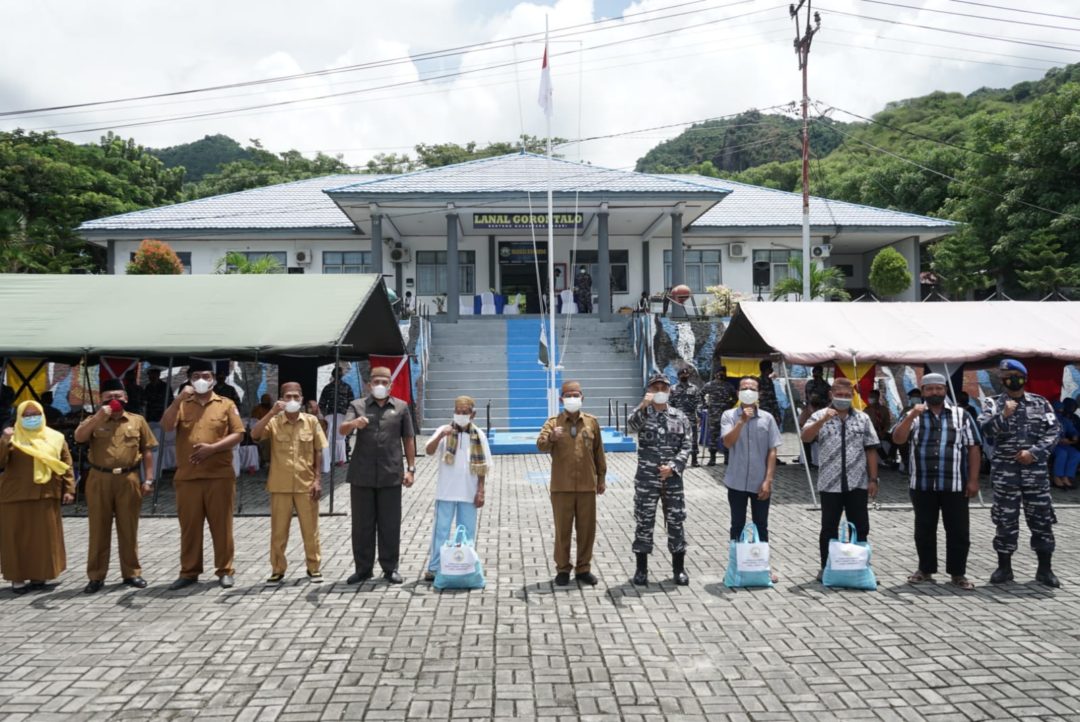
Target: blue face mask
point(33, 423)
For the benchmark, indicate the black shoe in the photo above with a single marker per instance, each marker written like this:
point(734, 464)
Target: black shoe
point(35, 585)
point(19, 590)
point(678, 569)
point(315, 576)
point(693, 460)
point(1044, 575)
point(1004, 572)
point(181, 583)
point(641, 575)
point(95, 586)
point(275, 579)
point(429, 576)
point(137, 582)
point(393, 577)
point(358, 577)
point(226, 581)
point(562, 579)
point(586, 578)
point(712, 459)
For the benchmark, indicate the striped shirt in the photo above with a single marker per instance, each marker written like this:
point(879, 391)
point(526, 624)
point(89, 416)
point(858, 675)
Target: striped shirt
point(938, 449)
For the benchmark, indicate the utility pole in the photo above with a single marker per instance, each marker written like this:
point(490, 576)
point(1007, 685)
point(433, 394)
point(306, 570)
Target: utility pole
point(803, 38)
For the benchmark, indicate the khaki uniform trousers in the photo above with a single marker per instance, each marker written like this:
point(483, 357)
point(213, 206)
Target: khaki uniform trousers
point(574, 511)
point(108, 497)
point(281, 512)
point(205, 501)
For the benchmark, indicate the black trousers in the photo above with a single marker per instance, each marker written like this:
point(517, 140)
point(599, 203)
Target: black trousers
point(759, 512)
point(953, 507)
point(853, 504)
point(376, 513)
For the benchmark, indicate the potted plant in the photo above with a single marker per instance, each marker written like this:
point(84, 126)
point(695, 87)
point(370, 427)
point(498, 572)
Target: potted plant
point(440, 304)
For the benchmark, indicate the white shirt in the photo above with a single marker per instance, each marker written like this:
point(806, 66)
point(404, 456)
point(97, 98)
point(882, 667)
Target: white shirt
point(457, 483)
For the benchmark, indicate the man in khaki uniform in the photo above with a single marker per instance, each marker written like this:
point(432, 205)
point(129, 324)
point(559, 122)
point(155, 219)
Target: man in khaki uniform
point(296, 447)
point(119, 441)
point(578, 471)
point(207, 428)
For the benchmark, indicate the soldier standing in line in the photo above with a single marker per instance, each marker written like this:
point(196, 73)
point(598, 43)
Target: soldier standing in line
point(719, 397)
point(686, 397)
point(1023, 429)
point(663, 450)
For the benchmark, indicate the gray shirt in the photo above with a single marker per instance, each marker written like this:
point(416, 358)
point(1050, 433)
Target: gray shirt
point(377, 457)
point(746, 467)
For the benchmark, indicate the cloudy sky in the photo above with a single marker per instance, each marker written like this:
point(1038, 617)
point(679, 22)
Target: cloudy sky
point(618, 66)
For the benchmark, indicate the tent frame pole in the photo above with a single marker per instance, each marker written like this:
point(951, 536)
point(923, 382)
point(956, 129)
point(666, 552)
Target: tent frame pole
point(160, 461)
point(952, 391)
point(798, 433)
point(334, 424)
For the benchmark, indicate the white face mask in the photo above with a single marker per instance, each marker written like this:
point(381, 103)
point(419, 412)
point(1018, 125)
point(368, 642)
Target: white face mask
point(660, 397)
point(748, 397)
point(462, 420)
point(201, 386)
point(572, 404)
point(380, 392)
point(292, 406)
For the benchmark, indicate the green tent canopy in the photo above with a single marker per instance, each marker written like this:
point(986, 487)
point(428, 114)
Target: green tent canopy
point(241, 317)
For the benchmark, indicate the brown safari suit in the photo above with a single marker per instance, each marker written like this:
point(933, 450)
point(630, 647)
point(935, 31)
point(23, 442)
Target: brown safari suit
point(578, 464)
point(117, 444)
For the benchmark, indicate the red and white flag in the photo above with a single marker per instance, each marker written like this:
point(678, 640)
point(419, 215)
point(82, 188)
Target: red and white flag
point(545, 96)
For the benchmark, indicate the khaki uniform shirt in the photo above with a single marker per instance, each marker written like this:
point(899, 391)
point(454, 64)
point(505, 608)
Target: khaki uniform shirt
point(206, 424)
point(120, 443)
point(292, 453)
point(577, 461)
point(17, 476)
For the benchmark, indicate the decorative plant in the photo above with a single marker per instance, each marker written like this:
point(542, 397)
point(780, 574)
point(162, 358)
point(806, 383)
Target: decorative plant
point(889, 274)
point(155, 258)
point(722, 301)
point(235, 262)
point(440, 304)
point(825, 283)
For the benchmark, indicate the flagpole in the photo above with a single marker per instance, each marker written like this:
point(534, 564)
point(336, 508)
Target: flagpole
point(552, 355)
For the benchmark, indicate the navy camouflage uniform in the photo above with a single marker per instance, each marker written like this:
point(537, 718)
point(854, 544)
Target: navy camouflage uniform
point(663, 438)
point(767, 400)
point(1034, 427)
point(687, 399)
point(720, 396)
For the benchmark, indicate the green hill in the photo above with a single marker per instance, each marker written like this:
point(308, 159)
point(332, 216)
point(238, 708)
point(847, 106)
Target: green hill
point(201, 157)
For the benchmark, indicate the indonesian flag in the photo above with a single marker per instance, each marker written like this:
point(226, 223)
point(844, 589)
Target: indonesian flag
point(115, 367)
point(400, 375)
point(545, 96)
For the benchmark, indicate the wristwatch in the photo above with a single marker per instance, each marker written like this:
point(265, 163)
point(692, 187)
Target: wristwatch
point(411, 469)
point(148, 482)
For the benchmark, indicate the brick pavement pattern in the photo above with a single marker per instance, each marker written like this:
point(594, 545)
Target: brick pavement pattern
point(523, 649)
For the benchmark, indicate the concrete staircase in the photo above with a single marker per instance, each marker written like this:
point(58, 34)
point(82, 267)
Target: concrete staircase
point(494, 360)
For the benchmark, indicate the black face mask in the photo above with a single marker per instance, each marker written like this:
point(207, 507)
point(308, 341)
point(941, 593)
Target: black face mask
point(934, 400)
point(684, 379)
point(1014, 383)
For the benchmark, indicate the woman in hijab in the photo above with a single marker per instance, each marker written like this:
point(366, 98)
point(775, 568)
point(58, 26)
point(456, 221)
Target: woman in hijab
point(37, 477)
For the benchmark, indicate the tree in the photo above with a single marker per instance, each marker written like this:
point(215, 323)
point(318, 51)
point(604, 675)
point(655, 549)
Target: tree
point(961, 263)
point(827, 283)
point(236, 262)
point(889, 274)
point(155, 258)
point(722, 301)
point(1046, 266)
point(263, 168)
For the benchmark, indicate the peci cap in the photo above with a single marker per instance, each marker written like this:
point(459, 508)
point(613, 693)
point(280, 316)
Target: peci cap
point(934, 379)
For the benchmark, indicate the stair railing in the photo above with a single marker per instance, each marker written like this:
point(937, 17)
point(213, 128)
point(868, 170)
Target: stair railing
point(487, 431)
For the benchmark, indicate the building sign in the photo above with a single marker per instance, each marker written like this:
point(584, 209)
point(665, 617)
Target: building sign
point(522, 252)
point(525, 221)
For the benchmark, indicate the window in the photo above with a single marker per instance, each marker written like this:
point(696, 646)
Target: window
point(184, 256)
point(620, 263)
point(255, 256)
point(431, 273)
point(346, 262)
point(775, 266)
point(702, 269)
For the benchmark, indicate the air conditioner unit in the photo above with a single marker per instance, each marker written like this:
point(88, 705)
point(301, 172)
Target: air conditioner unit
point(399, 255)
point(821, 251)
point(737, 250)
point(303, 257)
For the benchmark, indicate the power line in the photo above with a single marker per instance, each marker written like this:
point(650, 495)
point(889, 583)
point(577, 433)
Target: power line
point(981, 36)
point(927, 55)
point(1016, 10)
point(432, 55)
point(444, 76)
point(970, 15)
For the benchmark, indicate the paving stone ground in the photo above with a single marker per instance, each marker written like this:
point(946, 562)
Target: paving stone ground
point(523, 649)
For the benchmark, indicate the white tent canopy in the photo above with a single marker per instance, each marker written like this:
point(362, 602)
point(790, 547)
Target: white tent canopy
point(904, 333)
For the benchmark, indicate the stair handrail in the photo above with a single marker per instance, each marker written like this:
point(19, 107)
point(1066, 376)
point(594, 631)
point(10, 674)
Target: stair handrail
point(487, 431)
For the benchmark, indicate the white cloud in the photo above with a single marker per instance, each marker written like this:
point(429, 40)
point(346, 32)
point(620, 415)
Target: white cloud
point(67, 52)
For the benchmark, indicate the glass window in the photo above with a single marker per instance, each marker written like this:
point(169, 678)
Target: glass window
point(184, 256)
point(778, 269)
point(346, 261)
point(620, 267)
point(702, 269)
point(431, 273)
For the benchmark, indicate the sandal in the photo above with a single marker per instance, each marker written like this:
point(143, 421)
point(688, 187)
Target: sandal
point(918, 577)
point(961, 582)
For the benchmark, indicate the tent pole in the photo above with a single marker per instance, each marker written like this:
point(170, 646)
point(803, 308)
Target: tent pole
point(334, 425)
point(161, 441)
point(798, 433)
point(948, 377)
